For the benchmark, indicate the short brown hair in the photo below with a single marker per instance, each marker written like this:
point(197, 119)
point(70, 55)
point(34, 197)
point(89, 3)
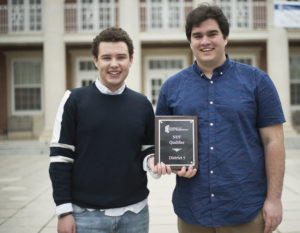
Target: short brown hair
point(202, 13)
point(112, 34)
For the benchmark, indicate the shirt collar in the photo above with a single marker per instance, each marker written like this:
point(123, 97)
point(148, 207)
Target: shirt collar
point(220, 70)
point(104, 90)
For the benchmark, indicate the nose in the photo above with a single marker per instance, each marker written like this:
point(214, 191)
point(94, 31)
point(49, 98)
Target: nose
point(205, 40)
point(114, 62)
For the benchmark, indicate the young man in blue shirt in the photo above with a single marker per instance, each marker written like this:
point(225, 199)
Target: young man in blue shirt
point(238, 185)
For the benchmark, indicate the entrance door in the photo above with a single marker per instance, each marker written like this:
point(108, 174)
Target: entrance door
point(158, 69)
point(86, 71)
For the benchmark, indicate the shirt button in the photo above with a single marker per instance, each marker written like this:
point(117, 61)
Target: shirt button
point(221, 73)
point(211, 82)
point(211, 147)
point(212, 195)
point(211, 172)
point(211, 102)
point(211, 124)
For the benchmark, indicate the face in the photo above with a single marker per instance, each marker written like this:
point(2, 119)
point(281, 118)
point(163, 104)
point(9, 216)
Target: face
point(208, 44)
point(113, 63)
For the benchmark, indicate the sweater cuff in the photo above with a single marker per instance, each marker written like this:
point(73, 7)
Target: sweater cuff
point(64, 208)
point(147, 169)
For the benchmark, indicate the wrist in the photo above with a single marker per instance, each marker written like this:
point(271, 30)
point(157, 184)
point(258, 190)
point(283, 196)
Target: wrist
point(273, 199)
point(149, 161)
point(64, 214)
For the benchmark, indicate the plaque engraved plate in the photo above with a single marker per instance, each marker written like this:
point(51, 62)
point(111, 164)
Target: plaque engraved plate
point(176, 141)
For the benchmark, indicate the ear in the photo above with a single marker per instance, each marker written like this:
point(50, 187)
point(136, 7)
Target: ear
point(131, 60)
point(95, 61)
point(226, 40)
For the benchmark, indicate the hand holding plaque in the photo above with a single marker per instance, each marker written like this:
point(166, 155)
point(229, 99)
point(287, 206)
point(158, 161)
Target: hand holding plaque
point(176, 141)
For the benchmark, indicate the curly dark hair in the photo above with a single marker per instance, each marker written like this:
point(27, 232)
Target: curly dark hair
point(112, 34)
point(202, 13)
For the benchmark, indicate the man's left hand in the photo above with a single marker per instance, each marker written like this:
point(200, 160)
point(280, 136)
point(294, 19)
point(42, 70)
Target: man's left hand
point(186, 172)
point(272, 212)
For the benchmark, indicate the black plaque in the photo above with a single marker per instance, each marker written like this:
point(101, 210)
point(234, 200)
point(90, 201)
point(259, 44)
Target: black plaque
point(176, 141)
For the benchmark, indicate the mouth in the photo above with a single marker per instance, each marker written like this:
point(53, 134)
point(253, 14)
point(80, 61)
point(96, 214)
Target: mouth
point(114, 74)
point(206, 50)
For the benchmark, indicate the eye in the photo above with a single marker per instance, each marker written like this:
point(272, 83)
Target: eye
point(197, 35)
point(212, 34)
point(121, 57)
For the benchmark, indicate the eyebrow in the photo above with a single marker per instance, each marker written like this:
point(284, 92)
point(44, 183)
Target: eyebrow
point(208, 32)
point(213, 31)
point(108, 54)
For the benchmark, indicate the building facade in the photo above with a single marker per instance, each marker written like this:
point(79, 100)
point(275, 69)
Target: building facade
point(45, 48)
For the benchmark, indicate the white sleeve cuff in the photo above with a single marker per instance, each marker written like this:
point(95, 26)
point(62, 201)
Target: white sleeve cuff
point(146, 168)
point(64, 208)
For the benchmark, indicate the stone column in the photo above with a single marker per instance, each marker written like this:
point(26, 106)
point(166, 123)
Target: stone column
point(54, 62)
point(278, 69)
point(278, 65)
point(129, 21)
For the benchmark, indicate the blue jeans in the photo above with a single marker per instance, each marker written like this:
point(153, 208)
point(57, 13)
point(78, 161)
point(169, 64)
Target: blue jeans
point(97, 222)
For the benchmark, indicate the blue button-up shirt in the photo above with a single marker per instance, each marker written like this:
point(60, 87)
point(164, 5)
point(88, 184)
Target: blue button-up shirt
point(230, 186)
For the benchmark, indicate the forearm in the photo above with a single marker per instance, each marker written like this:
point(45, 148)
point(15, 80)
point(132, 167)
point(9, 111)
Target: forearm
point(272, 139)
point(275, 167)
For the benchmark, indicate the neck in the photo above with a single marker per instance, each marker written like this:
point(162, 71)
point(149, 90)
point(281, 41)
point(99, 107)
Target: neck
point(208, 69)
point(112, 88)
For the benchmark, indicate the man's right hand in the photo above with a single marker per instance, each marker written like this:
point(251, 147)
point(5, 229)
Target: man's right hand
point(159, 168)
point(66, 224)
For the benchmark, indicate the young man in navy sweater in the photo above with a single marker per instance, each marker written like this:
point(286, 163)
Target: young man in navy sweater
point(102, 135)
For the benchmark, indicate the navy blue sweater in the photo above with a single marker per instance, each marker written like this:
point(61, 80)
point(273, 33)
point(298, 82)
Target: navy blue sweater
point(98, 147)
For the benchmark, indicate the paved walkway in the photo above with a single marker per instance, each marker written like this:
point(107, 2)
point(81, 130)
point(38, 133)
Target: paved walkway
point(26, 205)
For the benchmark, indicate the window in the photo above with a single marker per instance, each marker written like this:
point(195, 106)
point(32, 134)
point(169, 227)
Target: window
point(155, 88)
point(25, 16)
point(27, 86)
point(295, 80)
point(35, 15)
point(165, 14)
point(165, 64)
point(87, 73)
point(248, 59)
point(243, 11)
point(87, 66)
point(244, 14)
point(95, 15)
point(156, 14)
point(238, 12)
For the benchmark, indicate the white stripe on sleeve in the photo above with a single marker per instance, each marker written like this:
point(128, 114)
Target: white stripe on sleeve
point(60, 159)
point(58, 119)
point(61, 145)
